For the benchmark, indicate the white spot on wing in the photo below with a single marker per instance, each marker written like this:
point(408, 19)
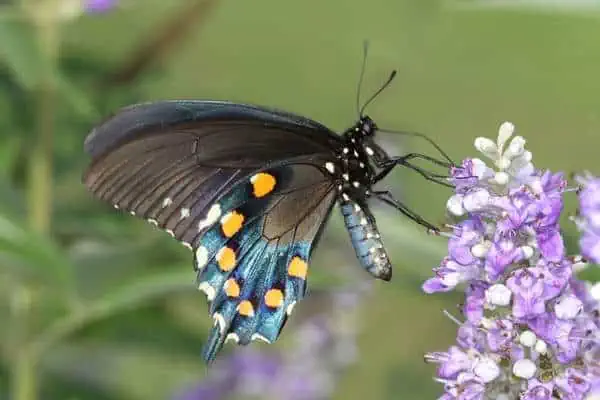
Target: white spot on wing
point(355, 184)
point(116, 206)
point(357, 207)
point(219, 320)
point(363, 221)
point(346, 177)
point(167, 202)
point(290, 308)
point(185, 212)
point(211, 217)
point(186, 244)
point(330, 167)
point(201, 257)
point(132, 212)
point(153, 222)
point(170, 232)
point(208, 290)
point(232, 337)
point(260, 337)
point(345, 197)
point(369, 150)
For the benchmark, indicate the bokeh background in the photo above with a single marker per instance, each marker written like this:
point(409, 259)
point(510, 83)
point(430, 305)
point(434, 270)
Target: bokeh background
point(97, 305)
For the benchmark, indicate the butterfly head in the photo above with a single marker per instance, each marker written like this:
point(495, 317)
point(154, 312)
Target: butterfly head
point(365, 127)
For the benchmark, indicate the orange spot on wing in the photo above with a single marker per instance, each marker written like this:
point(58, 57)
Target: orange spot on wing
point(263, 184)
point(231, 223)
point(246, 309)
point(274, 298)
point(226, 259)
point(298, 268)
point(232, 289)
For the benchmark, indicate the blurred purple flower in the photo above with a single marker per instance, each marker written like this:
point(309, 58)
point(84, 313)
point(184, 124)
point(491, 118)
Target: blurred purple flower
point(532, 329)
point(324, 345)
point(99, 6)
point(589, 220)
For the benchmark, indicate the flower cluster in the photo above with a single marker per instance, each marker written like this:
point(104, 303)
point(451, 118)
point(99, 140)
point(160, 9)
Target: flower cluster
point(589, 219)
point(324, 345)
point(531, 328)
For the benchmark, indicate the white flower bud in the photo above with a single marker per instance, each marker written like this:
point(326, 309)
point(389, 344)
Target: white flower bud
point(527, 252)
point(501, 178)
point(524, 368)
point(486, 147)
point(487, 323)
point(503, 163)
point(515, 148)
point(568, 307)
point(541, 347)
point(522, 160)
point(505, 132)
point(486, 369)
point(481, 249)
point(455, 205)
point(527, 339)
point(498, 295)
point(595, 291)
point(476, 201)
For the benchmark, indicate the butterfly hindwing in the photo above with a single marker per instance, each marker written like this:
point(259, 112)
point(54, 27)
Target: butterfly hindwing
point(253, 269)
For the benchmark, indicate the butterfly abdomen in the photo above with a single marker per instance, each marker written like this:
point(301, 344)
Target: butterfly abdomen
point(366, 241)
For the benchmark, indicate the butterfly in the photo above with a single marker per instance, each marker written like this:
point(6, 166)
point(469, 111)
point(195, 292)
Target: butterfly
point(248, 190)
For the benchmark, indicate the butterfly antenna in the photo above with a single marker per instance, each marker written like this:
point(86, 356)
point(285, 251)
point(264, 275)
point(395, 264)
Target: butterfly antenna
point(381, 89)
point(427, 138)
point(362, 75)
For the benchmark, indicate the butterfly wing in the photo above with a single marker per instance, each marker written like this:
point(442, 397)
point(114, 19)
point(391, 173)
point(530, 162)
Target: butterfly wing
point(253, 264)
point(245, 188)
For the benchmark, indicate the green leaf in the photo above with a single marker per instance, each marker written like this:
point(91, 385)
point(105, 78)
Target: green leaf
point(134, 294)
point(80, 102)
point(20, 51)
point(125, 370)
point(33, 257)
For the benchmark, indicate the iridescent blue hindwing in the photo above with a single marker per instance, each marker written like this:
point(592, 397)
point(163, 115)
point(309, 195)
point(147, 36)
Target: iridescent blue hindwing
point(253, 269)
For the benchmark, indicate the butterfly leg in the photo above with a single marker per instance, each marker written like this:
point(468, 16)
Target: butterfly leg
point(388, 198)
point(391, 163)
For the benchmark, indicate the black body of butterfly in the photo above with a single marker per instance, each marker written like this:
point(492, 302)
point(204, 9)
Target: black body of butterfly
point(248, 190)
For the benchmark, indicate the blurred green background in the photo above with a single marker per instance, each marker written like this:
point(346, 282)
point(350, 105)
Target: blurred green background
point(95, 304)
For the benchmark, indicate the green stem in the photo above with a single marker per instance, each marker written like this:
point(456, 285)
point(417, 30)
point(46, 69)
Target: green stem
point(24, 382)
point(40, 178)
point(24, 377)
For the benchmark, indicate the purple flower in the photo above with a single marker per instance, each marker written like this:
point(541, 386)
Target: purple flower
point(532, 330)
point(99, 6)
point(528, 290)
point(306, 371)
point(589, 220)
